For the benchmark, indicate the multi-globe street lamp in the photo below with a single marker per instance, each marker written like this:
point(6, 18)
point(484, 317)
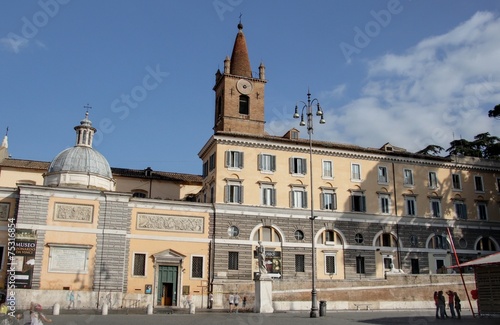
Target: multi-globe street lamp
point(310, 129)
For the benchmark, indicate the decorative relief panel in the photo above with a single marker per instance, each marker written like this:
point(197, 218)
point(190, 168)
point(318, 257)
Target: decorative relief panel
point(73, 212)
point(4, 211)
point(169, 223)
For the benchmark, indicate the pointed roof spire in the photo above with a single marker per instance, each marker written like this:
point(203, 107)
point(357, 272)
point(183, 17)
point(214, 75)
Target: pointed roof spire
point(240, 63)
point(5, 142)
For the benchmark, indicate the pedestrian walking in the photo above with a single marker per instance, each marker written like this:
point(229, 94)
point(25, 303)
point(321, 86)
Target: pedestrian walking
point(236, 301)
point(231, 302)
point(436, 303)
point(210, 300)
point(451, 302)
point(37, 317)
point(458, 306)
point(441, 305)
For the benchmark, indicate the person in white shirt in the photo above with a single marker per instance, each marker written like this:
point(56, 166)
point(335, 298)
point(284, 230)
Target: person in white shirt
point(231, 302)
point(236, 301)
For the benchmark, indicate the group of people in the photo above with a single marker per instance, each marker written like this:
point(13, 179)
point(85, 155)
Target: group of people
point(34, 316)
point(234, 302)
point(453, 304)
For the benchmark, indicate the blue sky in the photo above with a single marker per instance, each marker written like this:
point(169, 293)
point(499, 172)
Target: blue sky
point(411, 73)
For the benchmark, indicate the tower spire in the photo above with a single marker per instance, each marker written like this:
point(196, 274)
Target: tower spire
point(240, 63)
point(5, 142)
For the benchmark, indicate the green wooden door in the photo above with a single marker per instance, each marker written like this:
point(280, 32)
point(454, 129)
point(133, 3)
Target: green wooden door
point(167, 286)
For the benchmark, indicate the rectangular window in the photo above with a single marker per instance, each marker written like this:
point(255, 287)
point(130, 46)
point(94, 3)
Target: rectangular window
point(478, 182)
point(408, 177)
point(234, 192)
point(298, 198)
point(360, 264)
point(411, 205)
point(330, 264)
point(232, 261)
point(298, 166)
point(385, 204)
point(327, 169)
point(386, 240)
point(266, 163)
point(415, 268)
point(300, 265)
point(382, 175)
point(197, 267)
point(328, 200)
point(268, 195)
point(205, 169)
point(329, 236)
point(482, 211)
point(355, 172)
point(461, 210)
point(211, 164)
point(456, 182)
point(358, 202)
point(139, 264)
point(432, 180)
point(388, 262)
point(436, 208)
point(234, 159)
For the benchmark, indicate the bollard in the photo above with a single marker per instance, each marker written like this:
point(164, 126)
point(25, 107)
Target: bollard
point(150, 309)
point(56, 309)
point(191, 308)
point(105, 308)
point(322, 308)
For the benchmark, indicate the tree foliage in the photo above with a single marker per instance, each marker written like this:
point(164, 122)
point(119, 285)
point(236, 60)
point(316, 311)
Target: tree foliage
point(484, 145)
point(431, 150)
point(495, 112)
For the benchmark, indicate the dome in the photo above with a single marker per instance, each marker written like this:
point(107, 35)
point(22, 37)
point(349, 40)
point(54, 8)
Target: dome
point(81, 160)
point(81, 166)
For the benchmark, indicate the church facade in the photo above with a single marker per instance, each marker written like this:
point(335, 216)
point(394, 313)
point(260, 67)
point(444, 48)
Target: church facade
point(131, 238)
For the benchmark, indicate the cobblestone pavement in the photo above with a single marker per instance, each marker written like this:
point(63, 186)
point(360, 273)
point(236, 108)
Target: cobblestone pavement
point(280, 318)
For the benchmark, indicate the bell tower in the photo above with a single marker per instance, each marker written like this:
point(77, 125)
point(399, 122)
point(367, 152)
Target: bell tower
point(239, 96)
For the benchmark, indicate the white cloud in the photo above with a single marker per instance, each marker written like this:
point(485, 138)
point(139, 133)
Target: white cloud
point(13, 45)
point(336, 92)
point(41, 44)
point(438, 90)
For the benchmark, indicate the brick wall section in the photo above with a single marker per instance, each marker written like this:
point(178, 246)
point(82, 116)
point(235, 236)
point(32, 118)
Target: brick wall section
point(112, 247)
point(33, 209)
point(37, 268)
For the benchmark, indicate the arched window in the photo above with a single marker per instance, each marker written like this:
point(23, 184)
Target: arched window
point(486, 244)
point(386, 240)
point(272, 260)
point(267, 234)
point(244, 104)
point(139, 194)
point(330, 237)
point(439, 242)
point(219, 106)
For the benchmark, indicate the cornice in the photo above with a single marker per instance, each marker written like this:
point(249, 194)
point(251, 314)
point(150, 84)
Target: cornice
point(344, 151)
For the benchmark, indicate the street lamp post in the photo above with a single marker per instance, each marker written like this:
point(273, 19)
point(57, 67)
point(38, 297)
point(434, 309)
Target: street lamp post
point(309, 107)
